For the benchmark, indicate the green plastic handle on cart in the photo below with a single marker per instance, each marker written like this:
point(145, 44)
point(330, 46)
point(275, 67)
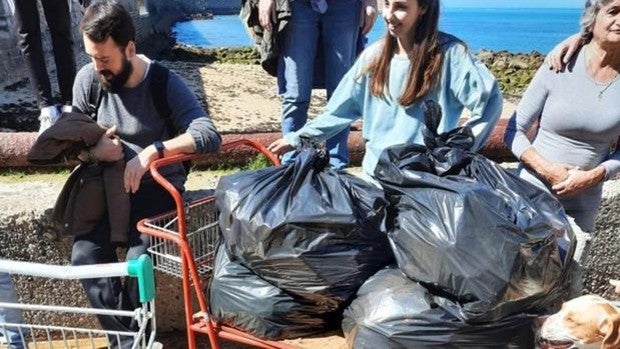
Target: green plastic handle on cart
point(142, 268)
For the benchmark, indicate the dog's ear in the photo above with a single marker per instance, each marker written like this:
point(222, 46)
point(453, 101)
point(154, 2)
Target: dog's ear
point(610, 328)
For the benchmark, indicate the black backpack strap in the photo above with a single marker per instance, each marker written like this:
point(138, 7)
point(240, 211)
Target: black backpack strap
point(95, 96)
point(159, 92)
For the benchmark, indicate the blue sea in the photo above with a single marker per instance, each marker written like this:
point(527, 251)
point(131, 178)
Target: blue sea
point(514, 30)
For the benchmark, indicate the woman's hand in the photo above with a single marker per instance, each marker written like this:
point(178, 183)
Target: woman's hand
point(551, 172)
point(267, 14)
point(578, 181)
point(562, 52)
point(555, 173)
point(280, 146)
point(368, 15)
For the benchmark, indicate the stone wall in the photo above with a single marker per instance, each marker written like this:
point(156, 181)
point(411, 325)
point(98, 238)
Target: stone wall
point(603, 261)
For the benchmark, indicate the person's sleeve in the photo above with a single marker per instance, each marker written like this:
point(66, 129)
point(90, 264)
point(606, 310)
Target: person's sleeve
point(81, 89)
point(476, 89)
point(189, 117)
point(528, 111)
point(343, 108)
point(612, 164)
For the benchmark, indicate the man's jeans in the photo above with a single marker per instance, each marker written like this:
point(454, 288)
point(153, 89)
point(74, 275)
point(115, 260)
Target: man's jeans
point(339, 30)
point(96, 248)
point(7, 295)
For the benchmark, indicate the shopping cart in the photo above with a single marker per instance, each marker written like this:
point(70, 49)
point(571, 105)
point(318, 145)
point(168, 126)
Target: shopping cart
point(183, 244)
point(39, 335)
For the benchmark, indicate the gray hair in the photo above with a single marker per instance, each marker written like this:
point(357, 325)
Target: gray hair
point(588, 17)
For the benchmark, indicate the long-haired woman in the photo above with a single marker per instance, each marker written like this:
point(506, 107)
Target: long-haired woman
point(390, 80)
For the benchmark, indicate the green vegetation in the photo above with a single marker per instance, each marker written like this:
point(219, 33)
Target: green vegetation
point(242, 55)
point(256, 162)
point(513, 71)
point(60, 174)
point(46, 174)
point(252, 163)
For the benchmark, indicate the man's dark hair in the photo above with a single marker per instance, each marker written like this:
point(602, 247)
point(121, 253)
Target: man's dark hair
point(103, 19)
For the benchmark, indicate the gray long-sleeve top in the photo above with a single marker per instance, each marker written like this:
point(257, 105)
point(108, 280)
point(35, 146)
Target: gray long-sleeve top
point(575, 127)
point(138, 124)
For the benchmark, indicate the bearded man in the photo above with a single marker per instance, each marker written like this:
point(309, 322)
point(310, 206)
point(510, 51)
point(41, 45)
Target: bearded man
point(139, 134)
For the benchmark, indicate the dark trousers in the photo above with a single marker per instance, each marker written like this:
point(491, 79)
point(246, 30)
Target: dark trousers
point(96, 248)
point(58, 20)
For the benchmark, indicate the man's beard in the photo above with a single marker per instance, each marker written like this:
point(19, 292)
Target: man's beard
point(116, 81)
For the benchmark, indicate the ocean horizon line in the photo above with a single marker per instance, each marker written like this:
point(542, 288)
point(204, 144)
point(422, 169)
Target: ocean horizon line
point(516, 30)
point(512, 8)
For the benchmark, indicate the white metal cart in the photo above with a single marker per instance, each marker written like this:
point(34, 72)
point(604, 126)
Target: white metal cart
point(41, 335)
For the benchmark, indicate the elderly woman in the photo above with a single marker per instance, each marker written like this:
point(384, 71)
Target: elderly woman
point(578, 115)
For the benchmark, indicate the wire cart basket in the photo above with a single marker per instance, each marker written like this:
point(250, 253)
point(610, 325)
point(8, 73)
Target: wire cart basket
point(45, 335)
point(183, 244)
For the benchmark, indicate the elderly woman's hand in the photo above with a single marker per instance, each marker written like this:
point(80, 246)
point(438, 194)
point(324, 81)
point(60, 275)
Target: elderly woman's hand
point(578, 181)
point(555, 173)
point(562, 52)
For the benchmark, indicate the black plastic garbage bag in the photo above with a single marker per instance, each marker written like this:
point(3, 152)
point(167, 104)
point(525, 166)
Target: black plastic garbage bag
point(471, 230)
point(241, 299)
point(392, 311)
point(309, 230)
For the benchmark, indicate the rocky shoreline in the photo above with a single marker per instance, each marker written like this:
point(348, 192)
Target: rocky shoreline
point(239, 95)
point(513, 71)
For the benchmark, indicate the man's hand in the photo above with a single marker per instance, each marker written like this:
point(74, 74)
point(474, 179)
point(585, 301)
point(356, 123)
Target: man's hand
point(562, 52)
point(267, 14)
point(137, 167)
point(368, 15)
point(578, 181)
point(279, 147)
point(108, 148)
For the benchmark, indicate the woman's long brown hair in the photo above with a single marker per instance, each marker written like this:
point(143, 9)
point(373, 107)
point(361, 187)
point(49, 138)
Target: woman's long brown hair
point(426, 58)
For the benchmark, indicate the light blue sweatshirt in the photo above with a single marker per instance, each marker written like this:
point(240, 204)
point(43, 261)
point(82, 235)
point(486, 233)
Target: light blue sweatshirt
point(465, 82)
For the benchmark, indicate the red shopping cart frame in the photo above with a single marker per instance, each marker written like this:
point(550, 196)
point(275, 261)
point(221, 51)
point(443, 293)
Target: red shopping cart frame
point(189, 252)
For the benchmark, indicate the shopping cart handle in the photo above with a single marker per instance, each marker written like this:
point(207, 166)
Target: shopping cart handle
point(142, 268)
point(67, 272)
